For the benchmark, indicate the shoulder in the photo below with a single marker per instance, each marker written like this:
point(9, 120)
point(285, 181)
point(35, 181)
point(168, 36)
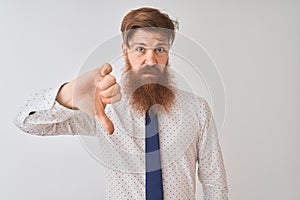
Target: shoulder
point(190, 98)
point(194, 106)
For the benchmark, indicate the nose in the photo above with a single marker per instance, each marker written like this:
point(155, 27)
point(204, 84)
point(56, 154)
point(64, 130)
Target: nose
point(150, 58)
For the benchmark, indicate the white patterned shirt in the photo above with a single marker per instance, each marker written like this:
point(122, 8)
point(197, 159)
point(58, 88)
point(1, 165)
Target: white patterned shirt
point(188, 140)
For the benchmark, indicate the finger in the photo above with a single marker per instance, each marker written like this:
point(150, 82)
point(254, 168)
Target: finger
point(111, 91)
point(102, 117)
point(105, 122)
point(113, 99)
point(105, 69)
point(106, 82)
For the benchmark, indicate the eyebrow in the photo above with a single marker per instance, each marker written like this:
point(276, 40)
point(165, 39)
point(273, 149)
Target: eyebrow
point(143, 44)
point(138, 43)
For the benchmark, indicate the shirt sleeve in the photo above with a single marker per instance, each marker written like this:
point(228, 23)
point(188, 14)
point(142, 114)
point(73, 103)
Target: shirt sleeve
point(43, 115)
point(211, 170)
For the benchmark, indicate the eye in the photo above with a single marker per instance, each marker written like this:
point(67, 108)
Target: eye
point(160, 49)
point(140, 49)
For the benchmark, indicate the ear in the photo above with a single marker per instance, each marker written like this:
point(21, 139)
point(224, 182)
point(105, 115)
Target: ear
point(124, 49)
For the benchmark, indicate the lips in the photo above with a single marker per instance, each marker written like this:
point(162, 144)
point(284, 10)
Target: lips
point(150, 73)
point(150, 70)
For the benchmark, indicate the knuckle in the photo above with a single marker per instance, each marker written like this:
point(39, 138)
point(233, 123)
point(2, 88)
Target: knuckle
point(113, 79)
point(103, 66)
point(118, 87)
point(118, 97)
point(115, 90)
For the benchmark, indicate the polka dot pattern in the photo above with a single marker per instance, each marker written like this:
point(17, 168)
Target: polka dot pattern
point(188, 140)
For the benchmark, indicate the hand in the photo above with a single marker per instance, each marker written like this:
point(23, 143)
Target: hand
point(91, 92)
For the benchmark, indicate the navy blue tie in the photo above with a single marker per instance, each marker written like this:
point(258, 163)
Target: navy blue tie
point(154, 188)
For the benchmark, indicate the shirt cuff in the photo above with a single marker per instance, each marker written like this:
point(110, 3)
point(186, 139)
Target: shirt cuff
point(41, 105)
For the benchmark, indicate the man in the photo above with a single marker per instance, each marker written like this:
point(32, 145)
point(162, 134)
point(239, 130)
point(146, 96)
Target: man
point(146, 100)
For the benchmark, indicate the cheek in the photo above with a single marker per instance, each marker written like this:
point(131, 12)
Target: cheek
point(134, 61)
point(163, 61)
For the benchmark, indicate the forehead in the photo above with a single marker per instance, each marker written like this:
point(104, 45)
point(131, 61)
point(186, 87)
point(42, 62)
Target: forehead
point(151, 38)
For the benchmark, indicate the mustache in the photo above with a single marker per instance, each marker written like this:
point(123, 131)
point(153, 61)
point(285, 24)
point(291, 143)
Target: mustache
point(149, 69)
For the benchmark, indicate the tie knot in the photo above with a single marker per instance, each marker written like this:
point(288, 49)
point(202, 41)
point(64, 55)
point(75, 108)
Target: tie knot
point(150, 118)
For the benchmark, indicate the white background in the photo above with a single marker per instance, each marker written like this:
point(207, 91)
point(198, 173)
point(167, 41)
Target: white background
point(255, 45)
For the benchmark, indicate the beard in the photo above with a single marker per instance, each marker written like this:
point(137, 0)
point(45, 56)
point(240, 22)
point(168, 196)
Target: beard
point(154, 93)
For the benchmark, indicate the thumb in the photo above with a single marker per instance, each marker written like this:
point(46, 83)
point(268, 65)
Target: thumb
point(105, 69)
point(105, 121)
point(101, 116)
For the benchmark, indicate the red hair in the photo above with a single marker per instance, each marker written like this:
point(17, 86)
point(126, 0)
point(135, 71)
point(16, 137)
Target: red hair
point(149, 18)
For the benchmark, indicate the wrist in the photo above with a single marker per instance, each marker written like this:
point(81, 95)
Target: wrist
point(65, 95)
